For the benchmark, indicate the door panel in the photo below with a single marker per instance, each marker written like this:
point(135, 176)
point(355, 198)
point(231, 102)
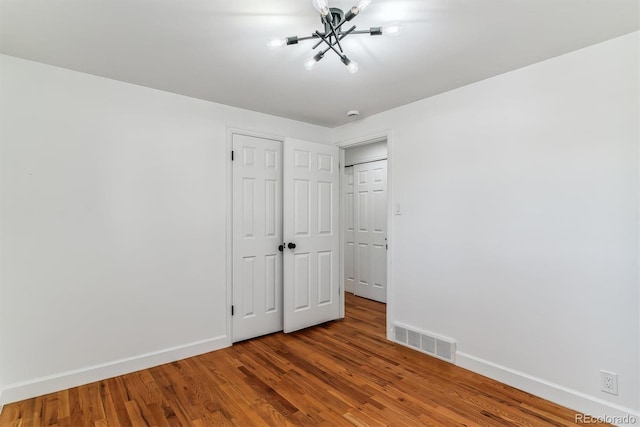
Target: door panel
point(325, 208)
point(273, 283)
point(302, 280)
point(370, 231)
point(379, 266)
point(362, 209)
point(301, 208)
point(363, 266)
point(257, 232)
point(349, 232)
point(325, 270)
point(271, 191)
point(311, 218)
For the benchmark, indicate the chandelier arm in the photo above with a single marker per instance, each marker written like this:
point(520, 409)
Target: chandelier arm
point(349, 31)
point(335, 34)
point(311, 37)
point(342, 35)
point(331, 45)
point(318, 43)
point(341, 22)
point(324, 39)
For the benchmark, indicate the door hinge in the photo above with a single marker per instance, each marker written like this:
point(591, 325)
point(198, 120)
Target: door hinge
point(232, 156)
point(387, 246)
point(232, 310)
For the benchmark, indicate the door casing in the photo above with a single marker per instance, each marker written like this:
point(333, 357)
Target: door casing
point(363, 140)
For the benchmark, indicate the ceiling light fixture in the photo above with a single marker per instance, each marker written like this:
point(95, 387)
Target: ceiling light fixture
point(333, 20)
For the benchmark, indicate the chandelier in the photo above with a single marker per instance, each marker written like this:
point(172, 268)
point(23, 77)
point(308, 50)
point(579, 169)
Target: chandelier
point(334, 19)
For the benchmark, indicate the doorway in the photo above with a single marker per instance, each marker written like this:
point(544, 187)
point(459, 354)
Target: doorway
point(365, 215)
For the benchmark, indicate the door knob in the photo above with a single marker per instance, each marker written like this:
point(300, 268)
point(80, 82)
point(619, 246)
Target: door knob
point(281, 247)
point(291, 245)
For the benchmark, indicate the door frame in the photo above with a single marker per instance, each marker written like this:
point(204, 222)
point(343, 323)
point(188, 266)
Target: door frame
point(364, 140)
point(230, 131)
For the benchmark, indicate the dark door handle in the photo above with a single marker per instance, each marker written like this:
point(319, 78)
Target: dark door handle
point(291, 245)
point(281, 247)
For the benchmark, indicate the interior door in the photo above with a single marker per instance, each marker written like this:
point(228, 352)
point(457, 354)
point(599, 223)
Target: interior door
point(311, 231)
point(257, 233)
point(370, 190)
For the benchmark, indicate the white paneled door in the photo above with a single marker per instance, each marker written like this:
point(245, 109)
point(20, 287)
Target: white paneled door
point(257, 233)
point(285, 237)
point(370, 230)
point(311, 231)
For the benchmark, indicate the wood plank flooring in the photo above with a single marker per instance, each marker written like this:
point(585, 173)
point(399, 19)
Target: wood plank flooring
point(344, 373)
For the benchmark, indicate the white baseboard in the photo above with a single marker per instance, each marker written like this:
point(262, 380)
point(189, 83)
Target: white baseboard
point(575, 400)
point(64, 380)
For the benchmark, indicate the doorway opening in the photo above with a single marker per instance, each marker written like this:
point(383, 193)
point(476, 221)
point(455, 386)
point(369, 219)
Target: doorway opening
point(365, 220)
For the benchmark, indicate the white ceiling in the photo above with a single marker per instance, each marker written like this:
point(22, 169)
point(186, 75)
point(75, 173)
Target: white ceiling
point(216, 50)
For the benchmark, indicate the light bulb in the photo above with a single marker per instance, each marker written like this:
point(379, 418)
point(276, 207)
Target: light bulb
point(322, 6)
point(273, 43)
point(310, 63)
point(392, 29)
point(351, 13)
point(363, 4)
point(352, 66)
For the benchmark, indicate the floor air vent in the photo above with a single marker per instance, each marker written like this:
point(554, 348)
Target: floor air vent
point(426, 342)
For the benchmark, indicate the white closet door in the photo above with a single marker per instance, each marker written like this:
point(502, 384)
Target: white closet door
point(349, 231)
point(257, 233)
point(311, 230)
point(370, 190)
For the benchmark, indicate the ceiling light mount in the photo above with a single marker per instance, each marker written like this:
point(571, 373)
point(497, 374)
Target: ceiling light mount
point(333, 19)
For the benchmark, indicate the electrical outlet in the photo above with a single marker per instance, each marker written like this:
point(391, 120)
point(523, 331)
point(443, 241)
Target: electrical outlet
point(609, 382)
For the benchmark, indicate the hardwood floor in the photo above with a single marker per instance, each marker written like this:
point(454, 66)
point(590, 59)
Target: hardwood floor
point(341, 373)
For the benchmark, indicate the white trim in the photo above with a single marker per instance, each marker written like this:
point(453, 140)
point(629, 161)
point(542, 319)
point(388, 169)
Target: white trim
point(239, 131)
point(368, 139)
point(556, 393)
point(390, 204)
point(1, 401)
point(229, 233)
point(64, 380)
point(343, 286)
point(638, 247)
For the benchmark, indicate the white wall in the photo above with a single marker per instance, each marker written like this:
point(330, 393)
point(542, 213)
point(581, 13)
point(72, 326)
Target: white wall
point(113, 219)
point(2, 351)
point(519, 228)
point(520, 216)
